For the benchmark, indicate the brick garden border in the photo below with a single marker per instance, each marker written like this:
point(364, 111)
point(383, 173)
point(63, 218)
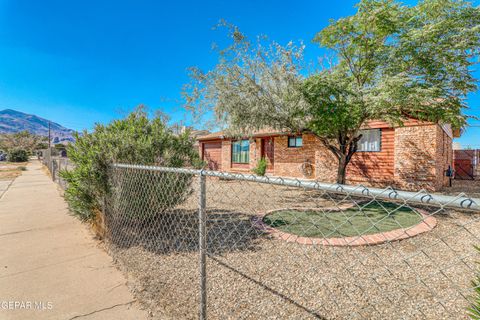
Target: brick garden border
point(427, 224)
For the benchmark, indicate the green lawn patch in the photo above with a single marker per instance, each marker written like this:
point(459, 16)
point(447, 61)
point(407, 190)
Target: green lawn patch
point(370, 218)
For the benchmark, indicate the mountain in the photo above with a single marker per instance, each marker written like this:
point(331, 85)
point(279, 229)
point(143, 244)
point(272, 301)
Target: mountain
point(12, 121)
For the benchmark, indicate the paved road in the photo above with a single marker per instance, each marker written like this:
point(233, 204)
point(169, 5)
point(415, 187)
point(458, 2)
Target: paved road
point(50, 266)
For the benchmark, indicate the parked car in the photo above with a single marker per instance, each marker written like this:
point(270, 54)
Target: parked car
point(3, 156)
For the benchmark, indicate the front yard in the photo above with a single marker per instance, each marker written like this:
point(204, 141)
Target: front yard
point(11, 170)
point(469, 187)
point(251, 275)
point(364, 219)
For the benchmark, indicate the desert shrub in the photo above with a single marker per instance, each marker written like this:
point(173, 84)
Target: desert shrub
point(41, 146)
point(474, 310)
point(20, 140)
point(133, 140)
point(17, 155)
point(261, 167)
point(144, 194)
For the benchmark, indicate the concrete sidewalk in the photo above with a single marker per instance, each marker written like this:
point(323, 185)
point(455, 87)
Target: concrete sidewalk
point(48, 259)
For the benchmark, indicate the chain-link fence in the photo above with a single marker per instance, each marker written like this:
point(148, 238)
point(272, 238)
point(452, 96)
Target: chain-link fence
point(55, 163)
point(200, 244)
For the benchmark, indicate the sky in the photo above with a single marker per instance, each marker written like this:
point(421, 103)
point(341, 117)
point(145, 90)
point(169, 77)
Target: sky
point(81, 62)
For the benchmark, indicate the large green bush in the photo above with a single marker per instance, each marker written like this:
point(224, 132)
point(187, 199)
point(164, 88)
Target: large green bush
point(133, 140)
point(17, 155)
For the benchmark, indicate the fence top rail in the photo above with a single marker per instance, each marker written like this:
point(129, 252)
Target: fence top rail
point(461, 201)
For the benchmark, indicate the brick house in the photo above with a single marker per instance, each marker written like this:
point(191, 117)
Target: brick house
point(410, 157)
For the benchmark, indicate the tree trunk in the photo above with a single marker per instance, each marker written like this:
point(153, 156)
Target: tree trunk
point(344, 157)
point(342, 169)
point(343, 151)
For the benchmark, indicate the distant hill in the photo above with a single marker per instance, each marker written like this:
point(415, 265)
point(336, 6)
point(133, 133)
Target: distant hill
point(12, 121)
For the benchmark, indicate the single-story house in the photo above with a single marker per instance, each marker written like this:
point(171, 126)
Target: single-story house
point(413, 156)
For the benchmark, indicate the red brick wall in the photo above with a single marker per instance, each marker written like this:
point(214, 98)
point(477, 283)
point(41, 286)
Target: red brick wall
point(295, 162)
point(374, 167)
point(411, 157)
point(314, 160)
point(415, 157)
point(226, 155)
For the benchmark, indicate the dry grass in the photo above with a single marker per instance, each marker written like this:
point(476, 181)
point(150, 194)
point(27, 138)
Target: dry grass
point(11, 170)
point(252, 276)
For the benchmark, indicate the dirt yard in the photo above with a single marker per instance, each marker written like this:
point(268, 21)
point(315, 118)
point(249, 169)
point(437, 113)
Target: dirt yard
point(469, 187)
point(10, 170)
point(253, 276)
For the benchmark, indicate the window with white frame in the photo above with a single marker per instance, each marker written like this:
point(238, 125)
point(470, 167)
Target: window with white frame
point(371, 140)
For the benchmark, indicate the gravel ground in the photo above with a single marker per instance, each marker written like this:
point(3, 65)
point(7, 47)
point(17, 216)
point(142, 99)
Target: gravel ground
point(470, 187)
point(252, 276)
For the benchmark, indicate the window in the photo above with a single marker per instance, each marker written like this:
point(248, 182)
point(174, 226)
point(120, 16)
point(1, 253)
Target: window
point(370, 141)
point(295, 142)
point(241, 151)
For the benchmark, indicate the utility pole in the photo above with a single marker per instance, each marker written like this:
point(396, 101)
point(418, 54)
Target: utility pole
point(49, 135)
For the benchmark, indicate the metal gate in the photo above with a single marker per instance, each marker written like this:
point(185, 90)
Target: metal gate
point(466, 162)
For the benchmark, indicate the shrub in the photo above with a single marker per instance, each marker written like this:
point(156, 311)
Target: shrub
point(133, 140)
point(261, 167)
point(22, 168)
point(474, 310)
point(17, 155)
point(41, 146)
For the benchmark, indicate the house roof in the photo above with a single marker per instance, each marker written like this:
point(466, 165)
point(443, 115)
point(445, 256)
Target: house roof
point(210, 136)
point(224, 134)
point(372, 124)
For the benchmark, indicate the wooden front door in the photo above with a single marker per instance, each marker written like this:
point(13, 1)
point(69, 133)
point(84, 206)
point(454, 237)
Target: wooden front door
point(268, 152)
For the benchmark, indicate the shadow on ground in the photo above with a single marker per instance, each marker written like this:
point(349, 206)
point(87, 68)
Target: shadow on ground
point(176, 231)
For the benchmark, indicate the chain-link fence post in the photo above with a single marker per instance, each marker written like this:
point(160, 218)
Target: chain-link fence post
point(203, 246)
point(292, 248)
point(54, 164)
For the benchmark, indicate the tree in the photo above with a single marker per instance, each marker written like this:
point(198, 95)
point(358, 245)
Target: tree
point(136, 139)
point(17, 155)
point(254, 85)
point(41, 146)
point(393, 63)
point(389, 62)
point(20, 140)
